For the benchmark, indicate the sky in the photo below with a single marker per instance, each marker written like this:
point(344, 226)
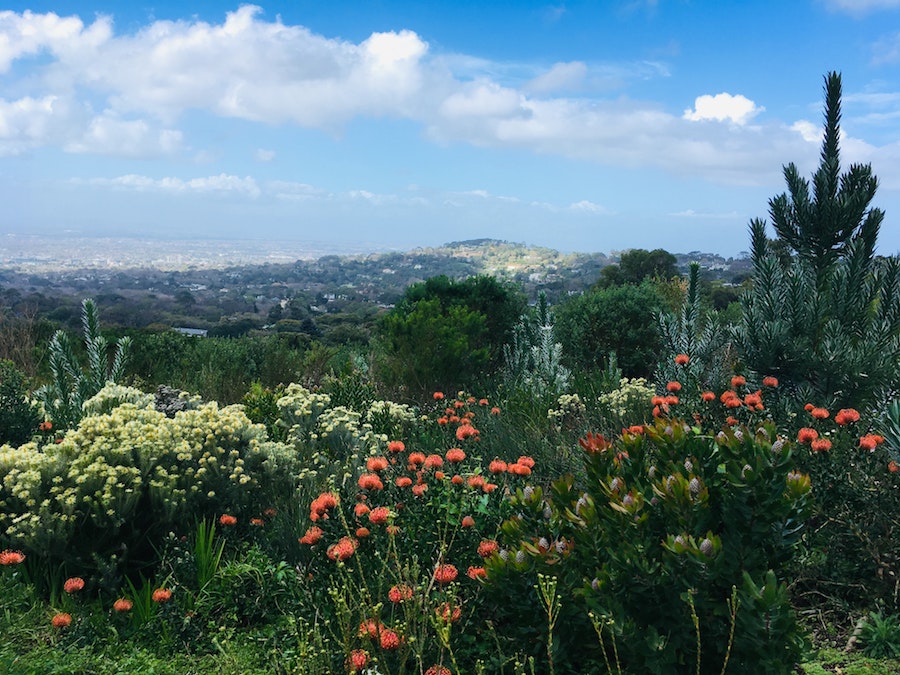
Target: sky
point(593, 126)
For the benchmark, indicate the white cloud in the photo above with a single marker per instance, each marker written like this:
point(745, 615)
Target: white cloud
point(691, 213)
point(586, 206)
point(886, 50)
point(108, 135)
point(262, 155)
point(221, 183)
point(737, 109)
point(561, 76)
point(858, 7)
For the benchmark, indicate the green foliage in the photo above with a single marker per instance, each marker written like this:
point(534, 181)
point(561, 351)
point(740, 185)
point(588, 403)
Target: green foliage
point(880, 636)
point(71, 385)
point(19, 417)
point(827, 320)
point(679, 545)
point(532, 360)
point(619, 319)
point(638, 265)
point(445, 335)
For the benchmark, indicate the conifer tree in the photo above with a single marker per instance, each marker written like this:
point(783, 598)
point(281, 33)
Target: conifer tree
point(826, 321)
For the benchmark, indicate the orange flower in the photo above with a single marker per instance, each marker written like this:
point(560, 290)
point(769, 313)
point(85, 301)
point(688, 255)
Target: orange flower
point(673, 386)
point(468, 521)
point(458, 404)
point(671, 400)
point(343, 549)
point(376, 463)
point(733, 402)
point(396, 446)
point(370, 481)
point(123, 605)
point(807, 435)
point(161, 595)
point(476, 481)
point(312, 536)
point(738, 381)
point(466, 431)
point(434, 461)
point(419, 490)
point(821, 445)
point(708, 396)
point(358, 660)
point(526, 461)
point(45, 426)
point(595, 442)
point(389, 639)
point(444, 574)
point(447, 612)
point(727, 395)
point(819, 413)
point(442, 421)
point(497, 466)
point(518, 469)
point(893, 467)
point(487, 548)
point(457, 480)
point(258, 522)
point(770, 381)
point(61, 620)
point(870, 441)
point(846, 416)
point(416, 458)
point(360, 510)
point(438, 670)
point(321, 504)
point(362, 532)
point(9, 557)
point(438, 396)
point(439, 475)
point(808, 407)
point(379, 515)
point(403, 481)
point(369, 628)
point(752, 400)
point(392, 530)
point(455, 455)
point(476, 573)
point(495, 410)
point(489, 487)
point(73, 585)
point(682, 359)
point(731, 421)
point(400, 593)
point(482, 401)
point(227, 520)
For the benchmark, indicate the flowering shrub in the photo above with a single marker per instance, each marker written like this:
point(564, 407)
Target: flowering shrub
point(628, 404)
point(673, 555)
point(123, 476)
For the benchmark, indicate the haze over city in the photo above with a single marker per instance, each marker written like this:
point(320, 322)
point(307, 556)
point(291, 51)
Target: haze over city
point(581, 126)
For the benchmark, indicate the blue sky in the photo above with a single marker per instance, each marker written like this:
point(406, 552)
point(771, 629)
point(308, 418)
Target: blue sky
point(583, 126)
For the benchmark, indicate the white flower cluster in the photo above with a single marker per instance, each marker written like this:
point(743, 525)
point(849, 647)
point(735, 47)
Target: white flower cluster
point(569, 406)
point(114, 395)
point(105, 472)
point(399, 413)
point(630, 399)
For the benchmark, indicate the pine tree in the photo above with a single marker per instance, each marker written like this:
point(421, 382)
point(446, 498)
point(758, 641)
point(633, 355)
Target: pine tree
point(826, 321)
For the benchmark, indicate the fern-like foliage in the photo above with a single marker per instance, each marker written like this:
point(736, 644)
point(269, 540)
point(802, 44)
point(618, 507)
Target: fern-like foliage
point(532, 361)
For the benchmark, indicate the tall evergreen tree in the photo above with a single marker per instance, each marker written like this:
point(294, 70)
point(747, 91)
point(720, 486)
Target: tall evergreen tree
point(825, 321)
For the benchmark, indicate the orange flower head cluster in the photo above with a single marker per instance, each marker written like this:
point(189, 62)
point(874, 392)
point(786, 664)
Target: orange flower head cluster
point(594, 443)
point(379, 515)
point(487, 548)
point(389, 640)
point(495, 410)
point(468, 521)
point(482, 401)
point(73, 585)
point(376, 463)
point(419, 489)
point(399, 593)
point(846, 416)
point(312, 536)
point(434, 461)
point(738, 381)
point(476, 572)
point(671, 400)
point(457, 480)
point(439, 475)
point(497, 466)
point(770, 382)
point(343, 549)
point(455, 455)
point(518, 469)
point(870, 441)
point(807, 435)
point(360, 509)
point(707, 396)
point(682, 359)
point(753, 401)
point(227, 520)
point(444, 574)
point(257, 522)
point(893, 467)
point(358, 660)
point(448, 613)
point(438, 670)
point(370, 481)
point(489, 487)
point(673, 386)
point(61, 620)
point(403, 481)
point(733, 402)
point(526, 461)
point(123, 605)
point(45, 426)
point(416, 458)
point(369, 628)
point(362, 532)
point(821, 445)
point(161, 595)
point(819, 413)
point(466, 431)
point(396, 446)
point(321, 504)
point(9, 557)
point(438, 396)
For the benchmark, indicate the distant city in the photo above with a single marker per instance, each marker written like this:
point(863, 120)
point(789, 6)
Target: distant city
point(38, 254)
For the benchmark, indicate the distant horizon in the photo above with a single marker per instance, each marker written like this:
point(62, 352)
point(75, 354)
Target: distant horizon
point(572, 125)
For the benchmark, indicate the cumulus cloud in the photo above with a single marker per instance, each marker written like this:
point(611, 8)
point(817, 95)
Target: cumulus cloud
point(109, 135)
point(721, 107)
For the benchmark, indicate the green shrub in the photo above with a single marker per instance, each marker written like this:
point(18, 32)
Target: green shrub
point(19, 417)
